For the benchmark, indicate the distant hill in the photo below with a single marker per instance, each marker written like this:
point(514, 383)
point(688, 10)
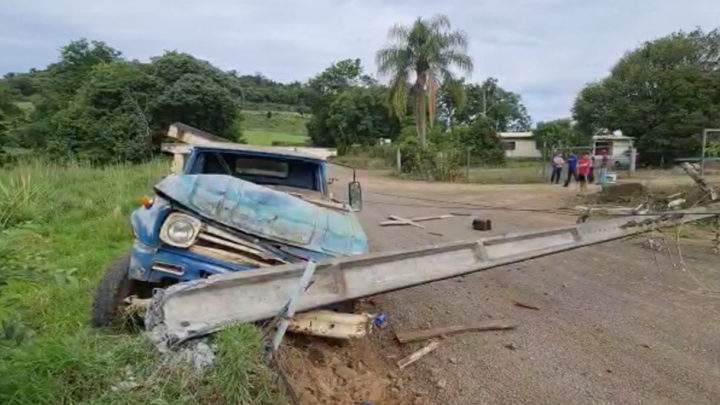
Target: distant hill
point(279, 127)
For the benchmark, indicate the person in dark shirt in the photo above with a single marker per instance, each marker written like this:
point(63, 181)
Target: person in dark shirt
point(572, 168)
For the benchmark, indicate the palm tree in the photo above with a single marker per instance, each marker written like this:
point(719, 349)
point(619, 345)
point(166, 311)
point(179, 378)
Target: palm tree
point(418, 60)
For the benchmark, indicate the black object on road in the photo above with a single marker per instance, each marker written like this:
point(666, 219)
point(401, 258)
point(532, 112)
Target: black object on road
point(482, 224)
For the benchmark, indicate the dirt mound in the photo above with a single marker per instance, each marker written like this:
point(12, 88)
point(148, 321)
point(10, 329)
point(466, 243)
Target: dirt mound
point(339, 372)
point(623, 192)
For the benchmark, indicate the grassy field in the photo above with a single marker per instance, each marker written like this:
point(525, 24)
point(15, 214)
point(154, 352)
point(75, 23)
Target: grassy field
point(60, 226)
point(266, 138)
point(285, 127)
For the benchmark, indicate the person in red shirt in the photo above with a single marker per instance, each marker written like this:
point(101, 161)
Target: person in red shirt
point(583, 170)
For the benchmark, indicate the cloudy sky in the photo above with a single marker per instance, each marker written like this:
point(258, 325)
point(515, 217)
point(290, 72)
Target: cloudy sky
point(543, 49)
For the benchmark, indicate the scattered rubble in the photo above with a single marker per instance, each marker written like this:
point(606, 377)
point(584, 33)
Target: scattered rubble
point(197, 353)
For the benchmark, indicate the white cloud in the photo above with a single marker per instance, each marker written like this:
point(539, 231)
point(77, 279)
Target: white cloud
point(544, 50)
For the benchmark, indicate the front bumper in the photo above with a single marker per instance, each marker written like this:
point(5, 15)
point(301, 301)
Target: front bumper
point(156, 265)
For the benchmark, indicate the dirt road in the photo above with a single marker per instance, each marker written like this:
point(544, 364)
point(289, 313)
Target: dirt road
point(618, 323)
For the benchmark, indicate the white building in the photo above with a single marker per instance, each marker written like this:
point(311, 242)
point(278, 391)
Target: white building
point(615, 144)
point(519, 145)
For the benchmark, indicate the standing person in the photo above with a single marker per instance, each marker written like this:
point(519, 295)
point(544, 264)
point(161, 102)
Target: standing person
point(591, 174)
point(572, 168)
point(557, 166)
point(583, 170)
point(604, 163)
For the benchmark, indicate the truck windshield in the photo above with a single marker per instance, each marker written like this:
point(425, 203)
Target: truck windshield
point(263, 170)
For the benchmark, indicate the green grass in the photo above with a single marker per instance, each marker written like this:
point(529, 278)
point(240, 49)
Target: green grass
point(60, 227)
point(266, 138)
point(286, 128)
point(280, 121)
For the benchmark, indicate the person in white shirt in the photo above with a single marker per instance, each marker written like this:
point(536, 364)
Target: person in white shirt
point(557, 167)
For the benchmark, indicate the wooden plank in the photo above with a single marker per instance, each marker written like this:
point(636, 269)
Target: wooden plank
point(406, 221)
point(416, 219)
point(404, 362)
point(423, 334)
point(193, 136)
point(330, 324)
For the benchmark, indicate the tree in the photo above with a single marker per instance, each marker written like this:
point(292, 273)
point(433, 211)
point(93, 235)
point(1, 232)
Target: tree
point(663, 94)
point(173, 65)
point(557, 133)
point(76, 61)
point(325, 96)
point(199, 101)
point(503, 108)
point(8, 110)
point(424, 53)
point(481, 139)
point(108, 119)
point(360, 116)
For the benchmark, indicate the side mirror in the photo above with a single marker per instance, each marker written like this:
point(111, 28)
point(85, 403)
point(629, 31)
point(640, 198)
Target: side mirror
point(355, 195)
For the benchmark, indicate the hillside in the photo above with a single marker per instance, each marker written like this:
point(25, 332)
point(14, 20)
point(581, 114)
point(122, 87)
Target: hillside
point(281, 127)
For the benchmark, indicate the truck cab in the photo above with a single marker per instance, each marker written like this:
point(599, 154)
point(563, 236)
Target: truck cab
point(231, 208)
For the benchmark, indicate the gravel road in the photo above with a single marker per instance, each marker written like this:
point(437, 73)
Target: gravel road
point(618, 322)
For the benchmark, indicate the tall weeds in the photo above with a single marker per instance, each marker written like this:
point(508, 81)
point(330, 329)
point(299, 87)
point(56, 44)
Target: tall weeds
point(60, 226)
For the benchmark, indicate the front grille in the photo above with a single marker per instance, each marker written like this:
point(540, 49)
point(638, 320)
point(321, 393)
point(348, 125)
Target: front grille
point(217, 243)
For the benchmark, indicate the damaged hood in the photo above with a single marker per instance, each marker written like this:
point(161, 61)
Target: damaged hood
point(266, 213)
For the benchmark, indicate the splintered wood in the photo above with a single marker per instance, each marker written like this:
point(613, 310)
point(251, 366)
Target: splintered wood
point(398, 220)
point(423, 334)
point(404, 362)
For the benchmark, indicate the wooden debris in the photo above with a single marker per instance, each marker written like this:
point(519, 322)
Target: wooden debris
point(395, 220)
point(403, 221)
point(460, 214)
point(526, 305)
point(676, 203)
point(423, 334)
point(331, 324)
point(406, 361)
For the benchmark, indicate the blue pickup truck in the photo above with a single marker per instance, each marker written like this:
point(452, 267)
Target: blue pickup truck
point(232, 208)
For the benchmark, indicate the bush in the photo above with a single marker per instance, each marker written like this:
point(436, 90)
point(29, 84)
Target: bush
point(433, 162)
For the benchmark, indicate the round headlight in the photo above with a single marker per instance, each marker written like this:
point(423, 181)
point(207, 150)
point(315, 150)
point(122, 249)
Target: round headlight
point(181, 232)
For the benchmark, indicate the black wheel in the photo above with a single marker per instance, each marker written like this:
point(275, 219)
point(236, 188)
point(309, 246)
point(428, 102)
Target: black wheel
point(111, 293)
point(617, 165)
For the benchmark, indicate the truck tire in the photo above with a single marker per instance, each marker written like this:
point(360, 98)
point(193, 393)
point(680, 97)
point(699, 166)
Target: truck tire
point(113, 289)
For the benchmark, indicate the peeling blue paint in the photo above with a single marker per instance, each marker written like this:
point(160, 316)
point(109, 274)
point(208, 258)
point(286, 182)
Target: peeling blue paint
point(267, 213)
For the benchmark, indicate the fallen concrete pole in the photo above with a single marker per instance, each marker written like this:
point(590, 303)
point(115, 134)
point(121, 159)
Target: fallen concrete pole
point(198, 307)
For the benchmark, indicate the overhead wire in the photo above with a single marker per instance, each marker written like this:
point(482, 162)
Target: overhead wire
point(468, 205)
